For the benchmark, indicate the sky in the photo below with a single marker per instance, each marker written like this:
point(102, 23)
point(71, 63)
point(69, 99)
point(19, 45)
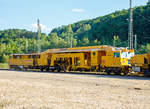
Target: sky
point(23, 14)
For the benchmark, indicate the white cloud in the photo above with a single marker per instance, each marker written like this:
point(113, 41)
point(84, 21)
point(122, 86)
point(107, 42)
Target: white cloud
point(44, 28)
point(78, 10)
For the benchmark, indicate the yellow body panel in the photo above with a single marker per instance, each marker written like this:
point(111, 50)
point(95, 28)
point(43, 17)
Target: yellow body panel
point(21, 62)
point(140, 63)
point(94, 58)
point(42, 60)
point(138, 60)
point(111, 61)
point(82, 63)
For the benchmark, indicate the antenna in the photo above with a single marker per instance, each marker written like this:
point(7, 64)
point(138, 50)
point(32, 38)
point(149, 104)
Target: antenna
point(130, 34)
point(39, 35)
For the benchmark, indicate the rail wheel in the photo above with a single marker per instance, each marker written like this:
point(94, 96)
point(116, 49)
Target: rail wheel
point(64, 69)
point(117, 72)
point(41, 69)
point(59, 68)
point(53, 70)
point(47, 69)
point(108, 72)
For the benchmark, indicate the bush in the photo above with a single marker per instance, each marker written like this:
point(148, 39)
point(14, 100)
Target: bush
point(4, 58)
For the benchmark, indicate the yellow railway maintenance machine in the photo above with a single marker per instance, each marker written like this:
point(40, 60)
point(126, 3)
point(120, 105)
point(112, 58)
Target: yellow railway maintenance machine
point(141, 64)
point(76, 59)
point(21, 61)
point(29, 61)
point(117, 61)
point(96, 58)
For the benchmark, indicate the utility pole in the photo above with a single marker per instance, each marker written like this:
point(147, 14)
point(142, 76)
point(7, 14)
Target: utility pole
point(114, 42)
point(39, 35)
point(135, 43)
point(71, 42)
point(26, 46)
point(34, 46)
point(19, 45)
point(130, 33)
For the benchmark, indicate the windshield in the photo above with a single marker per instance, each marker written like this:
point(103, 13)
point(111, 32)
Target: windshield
point(130, 54)
point(124, 55)
point(116, 54)
point(127, 55)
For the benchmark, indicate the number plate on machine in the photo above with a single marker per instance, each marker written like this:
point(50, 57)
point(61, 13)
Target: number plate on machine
point(136, 69)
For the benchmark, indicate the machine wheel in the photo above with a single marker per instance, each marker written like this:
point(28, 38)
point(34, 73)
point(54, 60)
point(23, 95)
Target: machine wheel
point(25, 68)
point(53, 70)
point(47, 69)
point(93, 68)
point(41, 69)
point(125, 70)
point(117, 73)
point(125, 73)
point(58, 69)
point(64, 69)
point(108, 72)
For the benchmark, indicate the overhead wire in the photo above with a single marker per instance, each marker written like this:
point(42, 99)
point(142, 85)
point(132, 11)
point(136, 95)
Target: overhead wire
point(142, 16)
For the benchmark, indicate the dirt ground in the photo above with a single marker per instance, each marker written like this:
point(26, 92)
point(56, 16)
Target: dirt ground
point(35, 90)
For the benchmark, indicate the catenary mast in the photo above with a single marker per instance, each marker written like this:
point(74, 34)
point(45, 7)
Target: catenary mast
point(39, 35)
point(130, 33)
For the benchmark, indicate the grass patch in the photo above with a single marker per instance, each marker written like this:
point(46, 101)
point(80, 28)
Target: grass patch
point(4, 65)
point(4, 103)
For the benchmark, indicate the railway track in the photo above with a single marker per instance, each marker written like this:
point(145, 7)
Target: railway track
point(101, 74)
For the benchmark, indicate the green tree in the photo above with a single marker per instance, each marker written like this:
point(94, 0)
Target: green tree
point(84, 41)
point(116, 41)
point(54, 40)
point(3, 58)
point(96, 42)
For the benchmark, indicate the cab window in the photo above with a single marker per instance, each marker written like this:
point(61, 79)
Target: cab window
point(93, 53)
point(124, 55)
point(85, 57)
point(10, 57)
point(77, 61)
point(33, 56)
point(30, 56)
point(38, 56)
point(16, 56)
point(116, 54)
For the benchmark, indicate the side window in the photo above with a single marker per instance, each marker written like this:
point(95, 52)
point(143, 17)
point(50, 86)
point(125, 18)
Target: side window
point(10, 57)
point(93, 53)
point(38, 56)
point(116, 54)
point(77, 61)
point(16, 56)
point(34, 56)
point(145, 61)
point(85, 57)
point(30, 56)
